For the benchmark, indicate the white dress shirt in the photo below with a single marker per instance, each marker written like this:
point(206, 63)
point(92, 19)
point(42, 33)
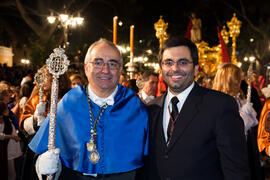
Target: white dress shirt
point(147, 98)
point(166, 115)
point(101, 101)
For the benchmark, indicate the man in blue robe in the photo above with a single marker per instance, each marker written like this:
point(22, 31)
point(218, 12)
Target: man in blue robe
point(101, 129)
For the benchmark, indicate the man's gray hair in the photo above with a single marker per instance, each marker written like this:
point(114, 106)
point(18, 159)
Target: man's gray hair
point(101, 41)
point(142, 79)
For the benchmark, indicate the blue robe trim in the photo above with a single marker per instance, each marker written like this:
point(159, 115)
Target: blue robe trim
point(122, 133)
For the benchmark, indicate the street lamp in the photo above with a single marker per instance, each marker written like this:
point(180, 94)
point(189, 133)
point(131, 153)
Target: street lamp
point(66, 21)
point(25, 61)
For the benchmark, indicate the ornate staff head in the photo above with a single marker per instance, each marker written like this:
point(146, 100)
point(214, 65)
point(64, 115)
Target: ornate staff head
point(40, 79)
point(57, 63)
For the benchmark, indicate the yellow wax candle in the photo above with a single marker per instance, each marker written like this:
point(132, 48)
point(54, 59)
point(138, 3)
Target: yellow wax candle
point(131, 38)
point(115, 29)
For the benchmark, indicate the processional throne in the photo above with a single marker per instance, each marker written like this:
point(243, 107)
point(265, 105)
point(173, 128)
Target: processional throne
point(209, 57)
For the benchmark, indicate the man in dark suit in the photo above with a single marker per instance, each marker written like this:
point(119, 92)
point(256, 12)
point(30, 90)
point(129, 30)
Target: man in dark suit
point(195, 133)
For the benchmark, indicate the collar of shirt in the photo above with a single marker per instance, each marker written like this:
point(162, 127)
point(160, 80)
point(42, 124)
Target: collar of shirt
point(181, 97)
point(145, 97)
point(102, 101)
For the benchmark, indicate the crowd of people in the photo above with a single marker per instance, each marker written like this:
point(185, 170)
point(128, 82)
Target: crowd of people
point(156, 126)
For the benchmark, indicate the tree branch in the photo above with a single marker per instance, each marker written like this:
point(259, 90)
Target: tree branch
point(244, 16)
point(7, 4)
point(34, 26)
point(14, 36)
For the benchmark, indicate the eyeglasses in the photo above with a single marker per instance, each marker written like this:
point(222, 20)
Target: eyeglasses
point(98, 63)
point(168, 63)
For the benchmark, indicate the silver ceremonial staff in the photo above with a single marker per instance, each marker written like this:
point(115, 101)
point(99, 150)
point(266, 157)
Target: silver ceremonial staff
point(40, 79)
point(249, 75)
point(57, 64)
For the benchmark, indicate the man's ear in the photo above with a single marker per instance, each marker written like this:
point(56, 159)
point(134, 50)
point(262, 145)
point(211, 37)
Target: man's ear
point(196, 69)
point(85, 68)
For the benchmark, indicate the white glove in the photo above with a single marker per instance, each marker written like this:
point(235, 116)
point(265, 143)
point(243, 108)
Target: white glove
point(48, 162)
point(247, 108)
point(248, 115)
point(40, 120)
point(40, 109)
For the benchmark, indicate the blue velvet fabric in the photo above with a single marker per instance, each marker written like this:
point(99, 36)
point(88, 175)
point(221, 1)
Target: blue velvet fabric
point(122, 132)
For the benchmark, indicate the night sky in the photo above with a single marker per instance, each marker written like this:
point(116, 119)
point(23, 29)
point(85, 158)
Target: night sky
point(142, 14)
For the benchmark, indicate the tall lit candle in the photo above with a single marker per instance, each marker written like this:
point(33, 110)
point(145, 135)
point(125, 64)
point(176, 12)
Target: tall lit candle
point(131, 38)
point(115, 29)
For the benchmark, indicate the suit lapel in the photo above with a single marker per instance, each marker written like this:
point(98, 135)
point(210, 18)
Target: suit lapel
point(158, 121)
point(187, 114)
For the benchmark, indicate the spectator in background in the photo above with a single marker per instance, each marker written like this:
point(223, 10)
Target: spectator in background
point(76, 79)
point(264, 129)
point(9, 146)
point(123, 80)
point(9, 119)
point(258, 82)
point(24, 94)
point(228, 80)
point(266, 91)
point(5, 131)
point(161, 87)
point(5, 95)
point(27, 78)
point(131, 84)
point(147, 84)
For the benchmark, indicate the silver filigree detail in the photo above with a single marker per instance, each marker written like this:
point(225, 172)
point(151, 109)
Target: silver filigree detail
point(40, 79)
point(58, 62)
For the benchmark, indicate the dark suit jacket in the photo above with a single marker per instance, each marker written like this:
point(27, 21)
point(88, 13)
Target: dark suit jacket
point(208, 142)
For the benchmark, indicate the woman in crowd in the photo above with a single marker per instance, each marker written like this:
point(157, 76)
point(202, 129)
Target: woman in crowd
point(76, 79)
point(24, 94)
point(228, 80)
point(9, 142)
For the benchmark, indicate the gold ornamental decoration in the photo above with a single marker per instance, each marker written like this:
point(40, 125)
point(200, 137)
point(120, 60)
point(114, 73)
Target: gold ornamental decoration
point(161, 33)
point(225, 35)
point(234, 30)
point(209, 58)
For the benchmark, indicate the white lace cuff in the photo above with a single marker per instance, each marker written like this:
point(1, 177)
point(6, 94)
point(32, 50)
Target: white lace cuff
point(28, 125)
